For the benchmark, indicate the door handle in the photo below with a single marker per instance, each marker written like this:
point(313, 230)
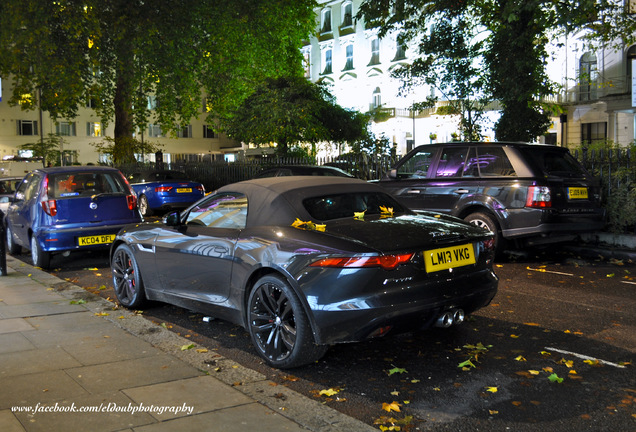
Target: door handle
point(461, 191)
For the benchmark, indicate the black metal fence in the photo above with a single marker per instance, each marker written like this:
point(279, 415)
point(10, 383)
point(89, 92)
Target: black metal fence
point(616, 168)
point(215, 174)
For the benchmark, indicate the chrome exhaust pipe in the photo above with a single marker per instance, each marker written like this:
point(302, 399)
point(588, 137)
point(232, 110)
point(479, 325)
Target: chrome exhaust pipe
point(459, 316)
point(450, 317)
point(445, 320)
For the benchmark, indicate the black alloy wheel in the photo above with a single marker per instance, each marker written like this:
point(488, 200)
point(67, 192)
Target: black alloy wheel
point(129, 287)
point(278, 325)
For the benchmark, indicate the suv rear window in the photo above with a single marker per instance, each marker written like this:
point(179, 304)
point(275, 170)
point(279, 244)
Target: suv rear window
point(556, 163)
point(346, 205)
point(85, 184)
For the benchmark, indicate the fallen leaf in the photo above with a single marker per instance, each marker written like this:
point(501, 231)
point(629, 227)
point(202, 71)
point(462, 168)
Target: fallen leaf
point(329, 392)
point(466, 365)
point(187, 347)
point(520, 358)
point(492, 389)
point(555, 378)
point(395, 393)
point(397, 370)
point(394, 406)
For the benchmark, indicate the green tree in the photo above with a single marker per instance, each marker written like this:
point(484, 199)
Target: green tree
point(49, 149)
point(292, 110)
point(121, 52)
point(507, 45)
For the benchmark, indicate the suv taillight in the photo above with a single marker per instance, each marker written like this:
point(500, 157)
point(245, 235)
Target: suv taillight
point(539, 197)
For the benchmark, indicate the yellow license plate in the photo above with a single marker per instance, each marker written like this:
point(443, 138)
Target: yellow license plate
point(184, 190)
point(577, 193)
point(445, 258)
point(95, 240)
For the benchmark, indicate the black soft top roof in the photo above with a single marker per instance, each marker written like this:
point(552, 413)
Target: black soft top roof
point(278, 200)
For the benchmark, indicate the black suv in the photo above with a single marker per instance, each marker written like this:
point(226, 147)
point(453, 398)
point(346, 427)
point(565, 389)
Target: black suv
point(527, 194)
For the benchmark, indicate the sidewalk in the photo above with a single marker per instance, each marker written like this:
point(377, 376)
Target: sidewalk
point(64, 350)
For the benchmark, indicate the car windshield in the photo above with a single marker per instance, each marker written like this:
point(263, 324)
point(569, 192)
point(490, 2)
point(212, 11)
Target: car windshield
point(346, 205)
point(71, 184)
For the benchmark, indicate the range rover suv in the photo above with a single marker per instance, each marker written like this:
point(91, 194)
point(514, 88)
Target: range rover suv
point(527, 194)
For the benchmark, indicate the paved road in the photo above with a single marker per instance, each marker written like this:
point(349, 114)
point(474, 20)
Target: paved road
point(553, 352)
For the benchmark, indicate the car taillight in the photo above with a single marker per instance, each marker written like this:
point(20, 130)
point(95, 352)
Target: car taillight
point(50, 207)
point(539, 197)
point(200, 188)
point(387, 262)
point(132, 201)
point(163, 189)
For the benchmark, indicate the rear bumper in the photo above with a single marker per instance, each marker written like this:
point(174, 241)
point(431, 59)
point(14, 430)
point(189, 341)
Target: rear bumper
point(66, 239)
point(358, 320)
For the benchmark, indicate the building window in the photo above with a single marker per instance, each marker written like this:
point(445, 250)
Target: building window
point(349, 54)
point(91, 101)
point(93, 129)
point(593, 132)
point(65, 129)
point(347, 14)
point(325, 26)
point(326, 61)
point(152, 102)
point(208, 132)
point(375, 51)
point(588, 75)
point(154, 131)
point(185, 132)
point(377, 98)
point(27, 127)
point(400, 48)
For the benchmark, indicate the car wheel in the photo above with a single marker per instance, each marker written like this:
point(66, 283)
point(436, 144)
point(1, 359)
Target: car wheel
point(12, 247)
point(143, 206)
point(279, 326)
point(485, 221)
point(40, 258)
point(129, 288)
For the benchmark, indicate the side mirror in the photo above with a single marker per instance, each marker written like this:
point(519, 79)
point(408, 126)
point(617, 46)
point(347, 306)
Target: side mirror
point(172, 219)
point(393, 173)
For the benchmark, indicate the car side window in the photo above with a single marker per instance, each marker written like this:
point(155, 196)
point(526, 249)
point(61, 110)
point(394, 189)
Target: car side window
point(452, 162)
point(417, 165)
point(225, 210)
point(28, 188)
point(493, 162)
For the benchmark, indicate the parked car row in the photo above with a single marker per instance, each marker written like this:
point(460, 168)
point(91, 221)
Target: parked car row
point(307, 257)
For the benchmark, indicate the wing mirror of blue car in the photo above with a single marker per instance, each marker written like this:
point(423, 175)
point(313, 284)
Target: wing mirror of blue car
point(393, 174)
point(172, 219)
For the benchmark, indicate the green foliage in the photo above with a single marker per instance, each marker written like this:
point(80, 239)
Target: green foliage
point(123, 150)
point(48, 149)
point(292, 110)
point(120, 52)
point(619, 196)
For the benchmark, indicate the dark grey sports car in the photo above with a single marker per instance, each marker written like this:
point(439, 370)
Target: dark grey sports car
point(305, 262)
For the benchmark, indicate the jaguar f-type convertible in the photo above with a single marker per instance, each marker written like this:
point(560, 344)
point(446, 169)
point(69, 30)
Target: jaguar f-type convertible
point(306, 262)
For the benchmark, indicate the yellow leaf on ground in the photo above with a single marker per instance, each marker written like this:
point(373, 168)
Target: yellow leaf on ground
point(491, 389)
point(394, 406)
point(329, 392)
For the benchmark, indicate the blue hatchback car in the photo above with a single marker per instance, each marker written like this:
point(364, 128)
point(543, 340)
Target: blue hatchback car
point(62, 209)
point(164, 190)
